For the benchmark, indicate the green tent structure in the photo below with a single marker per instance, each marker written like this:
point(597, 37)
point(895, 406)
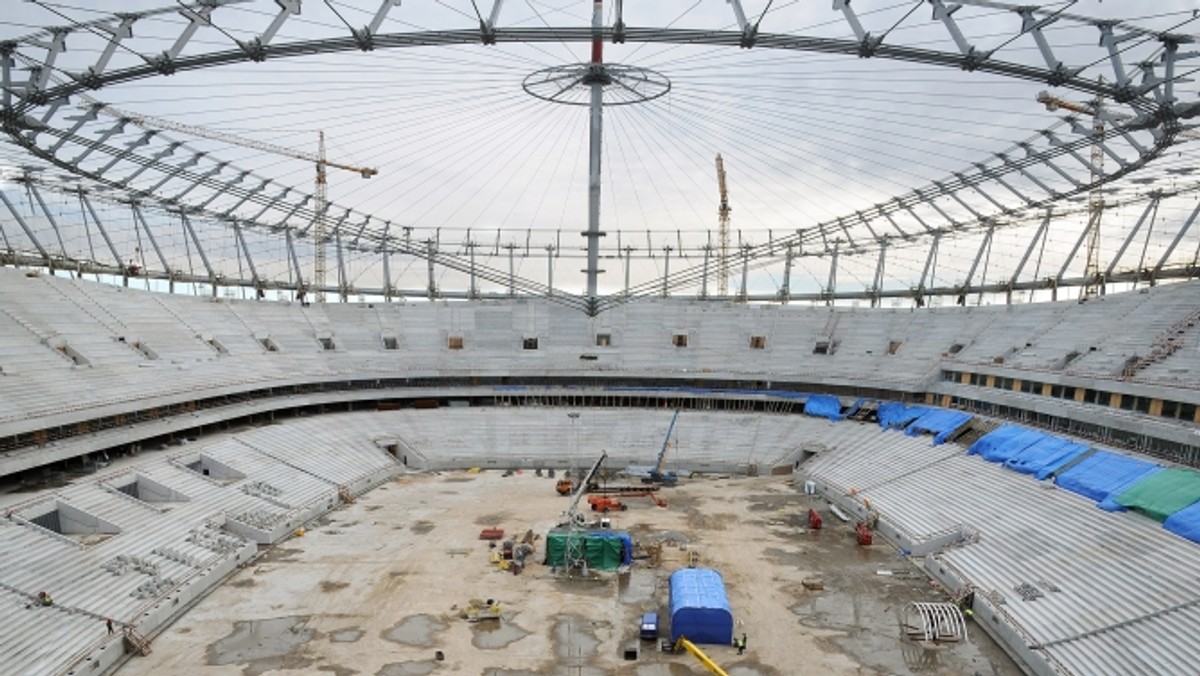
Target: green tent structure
point(601, 549)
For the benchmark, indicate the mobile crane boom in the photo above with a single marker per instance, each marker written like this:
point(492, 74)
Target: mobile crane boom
point(684, 644)
point(572, 512)
point(657, 475)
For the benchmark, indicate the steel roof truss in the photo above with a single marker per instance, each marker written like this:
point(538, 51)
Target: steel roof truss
point(187, 224)
point(100, 226)
point(1175, 242)
point(37, 195)
point(122, 31)
point(39, 75)
point(80, 119)
point(218, 168)
point(139, 217)
point(241, 241)
point(25, 226)
point(179, 168)
point(225, 188)
point(257, 48)
point(1151, 208)
point(142, 140)
point(1037, 236)
point(1109, 41)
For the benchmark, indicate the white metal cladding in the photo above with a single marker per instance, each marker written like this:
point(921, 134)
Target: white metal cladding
point(1064, 572)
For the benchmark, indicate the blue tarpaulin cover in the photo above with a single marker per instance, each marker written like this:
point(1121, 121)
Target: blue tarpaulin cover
point(1045, 456)
point(894, 415)
point(699, 607)
point(823, 406)
point(939, 422)
point(1102, 474)
point(626, 544)
point(1005, 442)
point(1185, 523)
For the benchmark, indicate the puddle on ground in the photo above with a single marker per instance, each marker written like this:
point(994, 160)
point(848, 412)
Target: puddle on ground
point(574, 637)
point(327, 586)
point(575, 583)
point(281, 555)
point(701, 521)
point(490, 520)
point(754, 669)
point(407, 668)
point(417, 630)
point(666, 669)
point(783, 557)
point(496, 634)
point(422, 527)
point(637, 586)
point(264, 645)
point(346, 635)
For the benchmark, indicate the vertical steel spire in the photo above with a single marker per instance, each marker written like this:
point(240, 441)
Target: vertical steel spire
point(596, 79)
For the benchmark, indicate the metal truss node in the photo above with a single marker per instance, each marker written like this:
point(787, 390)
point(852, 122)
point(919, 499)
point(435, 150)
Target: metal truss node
point(571, 84)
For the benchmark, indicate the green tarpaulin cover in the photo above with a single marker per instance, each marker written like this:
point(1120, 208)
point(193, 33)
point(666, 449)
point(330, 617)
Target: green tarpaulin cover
point(1161, 494)
point(601, 551)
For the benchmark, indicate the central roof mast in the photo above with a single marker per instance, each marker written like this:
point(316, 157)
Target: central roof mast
point(596, 79)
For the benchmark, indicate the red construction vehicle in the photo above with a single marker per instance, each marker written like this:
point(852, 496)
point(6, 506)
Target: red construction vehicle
point(603, 503)
point(863, 532)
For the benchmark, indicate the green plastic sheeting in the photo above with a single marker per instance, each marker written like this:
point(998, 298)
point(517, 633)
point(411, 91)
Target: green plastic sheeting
point(1161, 494)
point(601, 551)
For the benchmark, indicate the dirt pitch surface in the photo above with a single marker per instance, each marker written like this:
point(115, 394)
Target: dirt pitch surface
point(379, 587)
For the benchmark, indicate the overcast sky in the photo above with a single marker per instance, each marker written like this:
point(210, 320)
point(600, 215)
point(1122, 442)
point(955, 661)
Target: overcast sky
point(466, 155)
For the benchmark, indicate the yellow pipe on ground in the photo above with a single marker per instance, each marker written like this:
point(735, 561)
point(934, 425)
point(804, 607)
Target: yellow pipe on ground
point(684, 644)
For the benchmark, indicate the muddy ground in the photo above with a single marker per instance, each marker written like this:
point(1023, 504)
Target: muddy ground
point(379, 588)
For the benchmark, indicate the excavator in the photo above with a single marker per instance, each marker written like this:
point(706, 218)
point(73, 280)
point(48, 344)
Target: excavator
point(683, 644)
point(603, 503)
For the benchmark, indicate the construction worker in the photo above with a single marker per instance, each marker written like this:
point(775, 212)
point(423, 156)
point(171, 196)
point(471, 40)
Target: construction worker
point(45, 599)
point(742, 645)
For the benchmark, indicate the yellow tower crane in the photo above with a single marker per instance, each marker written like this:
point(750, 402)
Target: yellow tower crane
point(1095, 199)
point(319, 160)
point(722, 232)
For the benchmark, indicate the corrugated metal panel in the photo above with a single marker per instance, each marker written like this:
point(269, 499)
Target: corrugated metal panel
point(1062, 567)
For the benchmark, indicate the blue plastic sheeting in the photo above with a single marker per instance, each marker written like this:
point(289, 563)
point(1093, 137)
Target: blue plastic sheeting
point(1103, 474)
point(1005, 442)
point(699, 607)
point(1185, 523)
point(626, 544)
point(939, 422)
point(1045, 456)
point(823, 406)
point(893, 414)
